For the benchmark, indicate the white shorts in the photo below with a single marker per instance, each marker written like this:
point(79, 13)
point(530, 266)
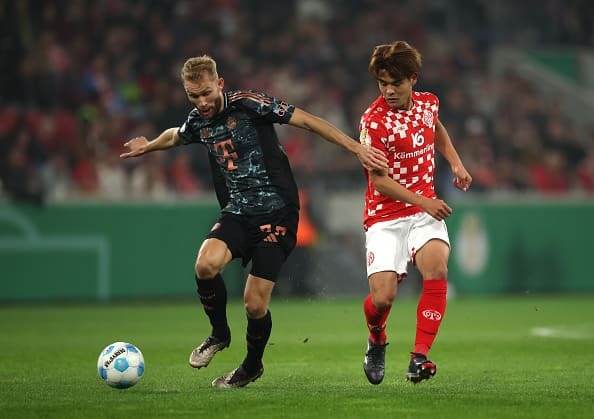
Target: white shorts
point(391, 245)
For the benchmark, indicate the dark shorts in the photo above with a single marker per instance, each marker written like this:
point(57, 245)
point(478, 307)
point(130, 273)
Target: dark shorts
point(265, 240)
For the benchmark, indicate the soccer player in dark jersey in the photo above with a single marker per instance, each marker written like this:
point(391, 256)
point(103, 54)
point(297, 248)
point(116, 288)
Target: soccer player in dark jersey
point(256, 190)
point(403, 218)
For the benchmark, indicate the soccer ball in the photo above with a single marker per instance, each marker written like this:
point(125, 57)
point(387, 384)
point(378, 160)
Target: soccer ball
point(120, 365)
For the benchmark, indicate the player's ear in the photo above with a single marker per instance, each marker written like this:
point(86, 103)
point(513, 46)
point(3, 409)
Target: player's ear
point(414, 78)
point(221, 83)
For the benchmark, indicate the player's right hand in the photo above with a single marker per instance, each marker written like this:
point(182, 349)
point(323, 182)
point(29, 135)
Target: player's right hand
point(137, 147)
point(437, 208)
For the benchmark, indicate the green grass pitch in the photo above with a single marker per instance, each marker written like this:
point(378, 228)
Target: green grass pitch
point(505, 357)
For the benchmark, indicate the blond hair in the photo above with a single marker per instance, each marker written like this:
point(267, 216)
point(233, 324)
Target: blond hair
point(399, 59)
point(195, 66)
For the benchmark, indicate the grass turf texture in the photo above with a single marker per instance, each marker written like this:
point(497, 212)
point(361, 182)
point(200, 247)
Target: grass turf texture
point(520, 357)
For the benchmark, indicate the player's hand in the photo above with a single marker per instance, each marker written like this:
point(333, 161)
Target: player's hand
point(462, 178)
point(372, 159)
point(137, 146)
point(437, 208)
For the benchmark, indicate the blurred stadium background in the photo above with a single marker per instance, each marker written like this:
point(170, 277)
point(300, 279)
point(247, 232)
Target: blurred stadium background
point(77, 78)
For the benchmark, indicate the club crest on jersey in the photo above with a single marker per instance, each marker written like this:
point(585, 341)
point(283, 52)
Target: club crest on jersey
point(428, 118)
point(231, 123)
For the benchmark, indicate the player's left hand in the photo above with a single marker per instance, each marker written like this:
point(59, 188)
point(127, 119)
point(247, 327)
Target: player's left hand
point(462, 178)
point(372, 159)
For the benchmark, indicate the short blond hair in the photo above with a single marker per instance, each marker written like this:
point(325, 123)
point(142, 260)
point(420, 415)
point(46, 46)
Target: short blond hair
point(195, 66)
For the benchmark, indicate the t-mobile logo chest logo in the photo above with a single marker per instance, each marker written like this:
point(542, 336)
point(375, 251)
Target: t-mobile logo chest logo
point(225, 151)
point(418, 139)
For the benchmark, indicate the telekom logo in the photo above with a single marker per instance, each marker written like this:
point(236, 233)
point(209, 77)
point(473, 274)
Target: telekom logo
point(431, 315)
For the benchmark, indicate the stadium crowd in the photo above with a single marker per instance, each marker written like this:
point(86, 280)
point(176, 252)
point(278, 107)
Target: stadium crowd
point(80, 77)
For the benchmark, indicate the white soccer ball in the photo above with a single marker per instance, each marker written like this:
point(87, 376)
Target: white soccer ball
point(120, 365)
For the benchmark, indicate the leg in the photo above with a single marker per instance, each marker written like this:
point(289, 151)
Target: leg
point(431, 260)
point(383, 288)
point(258, 289)
point(211, 259)
point(256, 299)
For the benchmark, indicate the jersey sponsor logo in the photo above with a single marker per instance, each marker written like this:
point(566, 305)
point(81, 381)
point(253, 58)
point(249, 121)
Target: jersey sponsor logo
point(226, 153)
point(413, 154)
point(431, 314)
point(418, 139)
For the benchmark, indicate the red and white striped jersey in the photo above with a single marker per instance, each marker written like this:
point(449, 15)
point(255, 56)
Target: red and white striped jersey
point(407, 139)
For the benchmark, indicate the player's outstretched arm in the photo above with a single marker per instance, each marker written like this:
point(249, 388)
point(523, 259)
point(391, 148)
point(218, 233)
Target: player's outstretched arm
point(138, 146)
point(443, 143)
point(370, 158)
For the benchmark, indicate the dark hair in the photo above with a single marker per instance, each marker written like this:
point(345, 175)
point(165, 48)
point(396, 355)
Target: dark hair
point(399, 59)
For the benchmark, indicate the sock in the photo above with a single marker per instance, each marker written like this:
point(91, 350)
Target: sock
point(213, 296)
point(258, 332)
point(430, 311)
point(376, 321)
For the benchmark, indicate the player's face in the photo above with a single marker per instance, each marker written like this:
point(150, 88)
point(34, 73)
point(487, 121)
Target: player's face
point(398, 93)
point(206, 95)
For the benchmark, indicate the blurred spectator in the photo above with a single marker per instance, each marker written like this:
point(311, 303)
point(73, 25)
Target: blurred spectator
point(19, 180)
point(184, 182)
point(111, 177)
point(549, 176)
point(148, 179)
point(56, 179)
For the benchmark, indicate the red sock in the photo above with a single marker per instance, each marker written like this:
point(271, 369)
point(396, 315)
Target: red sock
point(376, 321)
point(430, 311)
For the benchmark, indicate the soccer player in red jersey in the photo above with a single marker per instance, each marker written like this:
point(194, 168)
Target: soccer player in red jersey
point(403, 217)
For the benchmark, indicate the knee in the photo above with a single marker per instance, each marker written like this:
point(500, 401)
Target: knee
point(205, 268)
point(254, 308)
point(383, 301)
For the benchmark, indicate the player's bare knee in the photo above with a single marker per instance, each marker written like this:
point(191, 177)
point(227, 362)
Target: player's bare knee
point(204, 269)
point(383, 302)
point(254, 309)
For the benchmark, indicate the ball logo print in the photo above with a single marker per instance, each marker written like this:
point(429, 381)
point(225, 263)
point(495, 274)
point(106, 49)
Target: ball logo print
point(120, 365)
point(432, 315)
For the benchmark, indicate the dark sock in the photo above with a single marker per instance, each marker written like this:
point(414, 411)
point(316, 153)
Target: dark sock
point(213, 296)
point(258, 332)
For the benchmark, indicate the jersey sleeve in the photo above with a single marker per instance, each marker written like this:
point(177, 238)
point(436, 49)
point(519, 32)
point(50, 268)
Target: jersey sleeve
point(267, 107)
point(373, 133)
point(187, 131)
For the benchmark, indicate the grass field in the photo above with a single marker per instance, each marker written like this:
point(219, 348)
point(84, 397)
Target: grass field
point(520, 357)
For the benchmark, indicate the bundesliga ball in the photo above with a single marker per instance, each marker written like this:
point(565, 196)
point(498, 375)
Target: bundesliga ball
point(120, 365)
